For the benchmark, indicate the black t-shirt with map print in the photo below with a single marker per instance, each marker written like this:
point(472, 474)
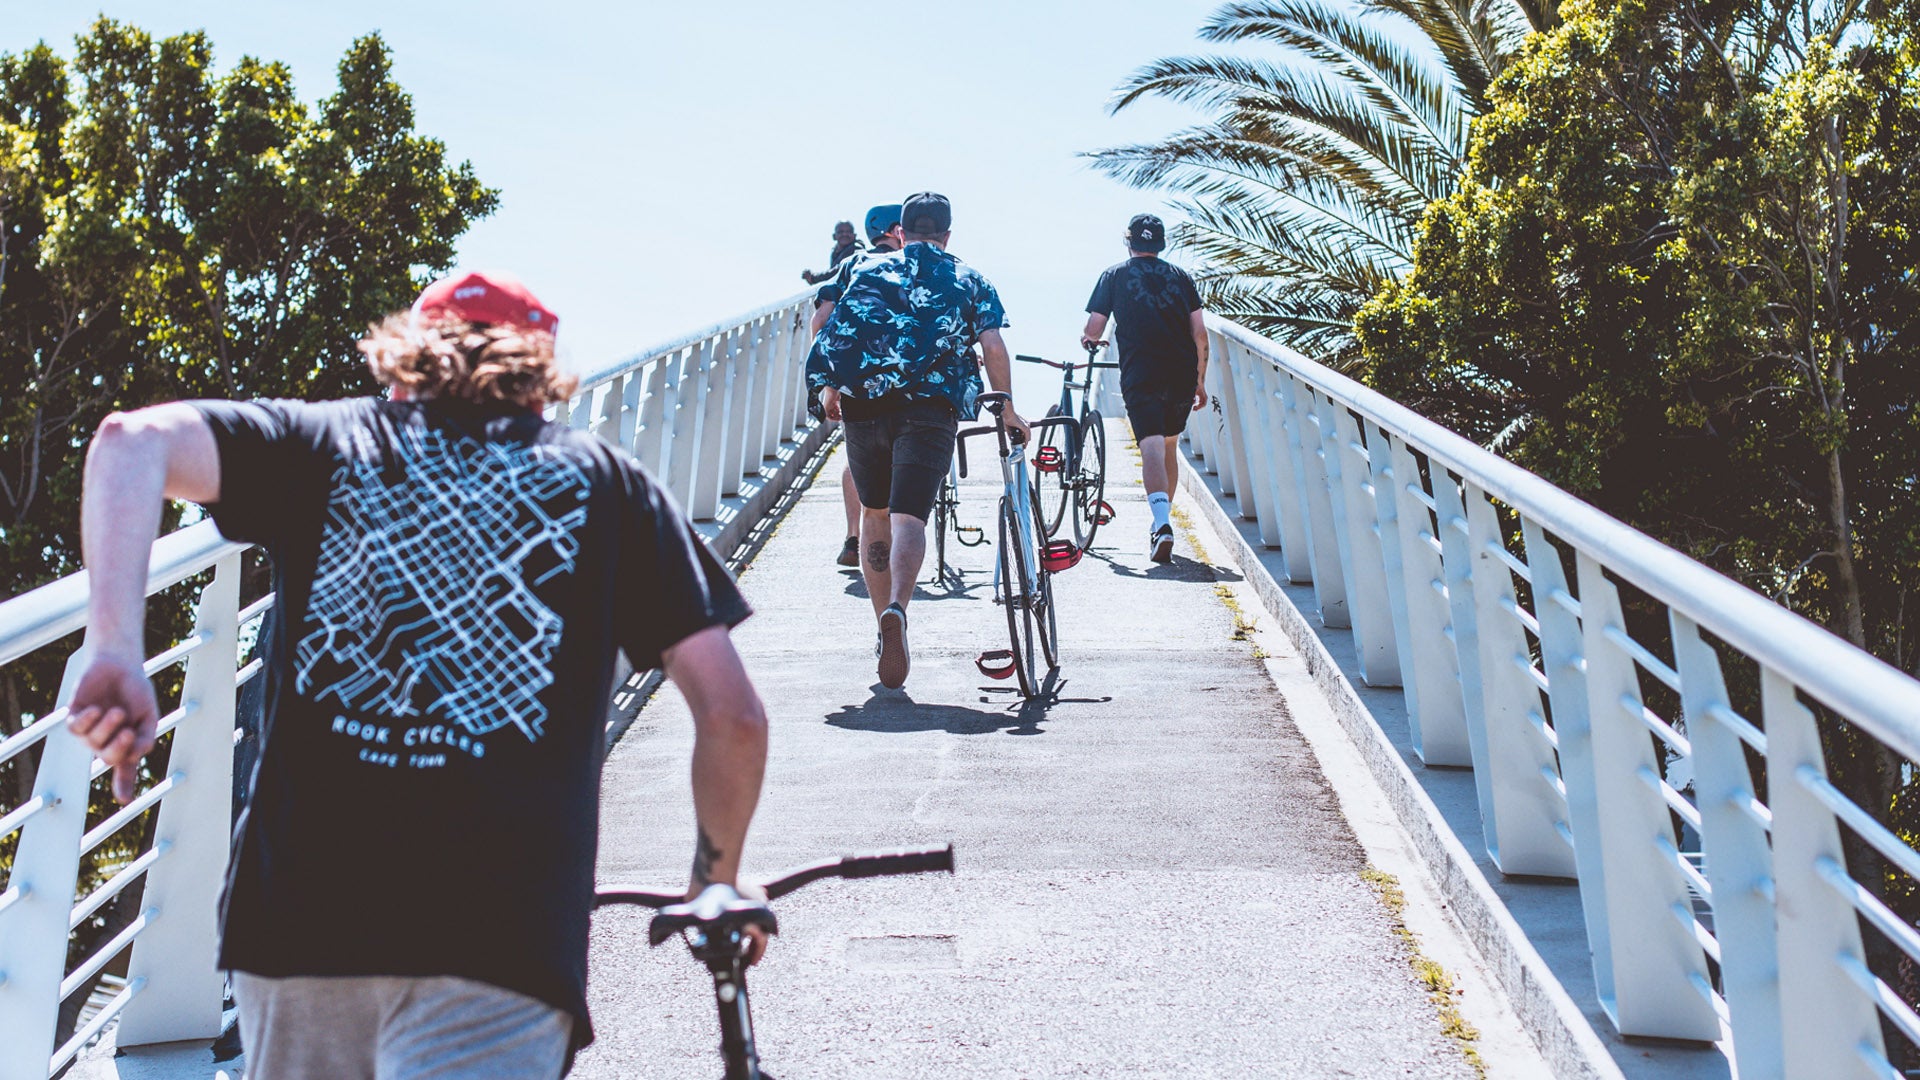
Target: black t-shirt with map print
point(453, 582)
point(1152, 302)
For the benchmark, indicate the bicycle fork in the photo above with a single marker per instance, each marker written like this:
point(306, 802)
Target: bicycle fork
point(736, 1015)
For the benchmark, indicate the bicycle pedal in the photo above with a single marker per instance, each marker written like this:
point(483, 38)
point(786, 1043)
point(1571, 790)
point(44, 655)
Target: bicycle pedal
point(1049, 459)
point(996, 664)
point(1060, 555)
point(1103, 513)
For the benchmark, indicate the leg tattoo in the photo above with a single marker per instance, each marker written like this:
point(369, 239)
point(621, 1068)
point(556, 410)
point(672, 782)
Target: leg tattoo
point(877, 556)
point(705, 854)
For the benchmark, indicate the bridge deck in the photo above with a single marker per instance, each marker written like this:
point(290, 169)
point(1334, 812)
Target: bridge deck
point(1154, 879)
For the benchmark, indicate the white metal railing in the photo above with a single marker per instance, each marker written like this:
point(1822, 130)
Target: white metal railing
point(704, 412)
point(1490, 597)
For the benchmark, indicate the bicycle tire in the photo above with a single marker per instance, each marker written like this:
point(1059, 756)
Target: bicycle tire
point(1047, 620)
point(942, 520)
point(1092, 490)
point(1053, 487)
point(1019, 613)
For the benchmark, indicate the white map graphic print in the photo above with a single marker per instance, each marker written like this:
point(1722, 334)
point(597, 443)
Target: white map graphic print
point(425, 602)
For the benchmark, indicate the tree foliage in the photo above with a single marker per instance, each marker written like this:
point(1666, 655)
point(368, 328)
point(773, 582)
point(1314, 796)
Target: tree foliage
point(167, 231)
point(1304, 187)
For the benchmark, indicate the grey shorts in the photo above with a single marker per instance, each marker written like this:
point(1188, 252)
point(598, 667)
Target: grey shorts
point(898, 458)
point(392, 1027)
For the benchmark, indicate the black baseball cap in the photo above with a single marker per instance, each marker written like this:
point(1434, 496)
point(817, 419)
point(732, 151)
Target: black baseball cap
point(926, 214)
point(1146, 233)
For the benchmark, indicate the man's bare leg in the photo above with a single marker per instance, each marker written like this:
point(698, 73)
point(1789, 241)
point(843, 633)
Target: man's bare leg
point(1156, 454)
point(851, 497)
point(909, 551)
point(876, 560)
point(1173, 463)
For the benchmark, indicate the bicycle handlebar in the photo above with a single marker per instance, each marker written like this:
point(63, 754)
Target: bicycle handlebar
point(1058, 366)
point(874, 864)
point(960, 440)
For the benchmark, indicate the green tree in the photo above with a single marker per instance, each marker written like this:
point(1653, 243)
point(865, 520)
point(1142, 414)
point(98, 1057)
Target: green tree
point(1305, 186)
point(167, 231)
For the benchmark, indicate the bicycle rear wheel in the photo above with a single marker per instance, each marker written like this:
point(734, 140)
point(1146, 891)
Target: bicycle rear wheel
point(1054, 489)
point(1046, 620)
point(1091, 492)
point(1014, 576)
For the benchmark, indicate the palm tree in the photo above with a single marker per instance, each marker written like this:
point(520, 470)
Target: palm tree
point(1304, 188)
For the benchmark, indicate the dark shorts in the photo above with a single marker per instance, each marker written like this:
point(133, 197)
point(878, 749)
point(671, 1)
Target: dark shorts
point(898, 458)
point(1159, 407)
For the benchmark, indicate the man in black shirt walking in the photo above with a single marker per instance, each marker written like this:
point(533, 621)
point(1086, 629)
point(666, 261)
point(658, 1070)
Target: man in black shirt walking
point(412, 876)
point(1162, 346)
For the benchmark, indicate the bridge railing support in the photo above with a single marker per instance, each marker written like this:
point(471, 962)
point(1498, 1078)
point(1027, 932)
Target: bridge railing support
point(706, 413)
point(1622, 708)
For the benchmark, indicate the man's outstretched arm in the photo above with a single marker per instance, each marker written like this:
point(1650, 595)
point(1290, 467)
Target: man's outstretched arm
point(137, 460)
point(1096, 327)
point(729, 749)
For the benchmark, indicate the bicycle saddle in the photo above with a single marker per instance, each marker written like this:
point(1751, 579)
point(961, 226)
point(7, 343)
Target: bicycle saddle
point(716, 911)
point(994, 399)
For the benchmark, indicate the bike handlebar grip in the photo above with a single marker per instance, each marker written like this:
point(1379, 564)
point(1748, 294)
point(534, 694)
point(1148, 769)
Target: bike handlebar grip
point(898, 862)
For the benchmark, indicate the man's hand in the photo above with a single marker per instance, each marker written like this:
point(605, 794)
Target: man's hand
point(1199, 397)
point(1020, 430)
point(115, 712)
point(830, 403)
point(1088, 341)
point(807, 276)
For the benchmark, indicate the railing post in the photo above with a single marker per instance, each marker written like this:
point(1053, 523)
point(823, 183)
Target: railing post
point(1361, 558)
point(1827, 1020)
point(176, 955)
point(1253, 424)
point(1323, 543)
point(1234, 454)
point(687, 434)
point(1214, 425)
point(759, 359)
point(650, 441)
point(1738, 860)
point(739, 400)
point(1283, 471)
point(46, 867)
point(708, 482)
point(1527, 831)
point(1659, 968)
point(1429, 670)
point(1561, 658)
point(612, 411)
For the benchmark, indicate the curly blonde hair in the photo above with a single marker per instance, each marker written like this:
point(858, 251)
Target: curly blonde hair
point(449, 357)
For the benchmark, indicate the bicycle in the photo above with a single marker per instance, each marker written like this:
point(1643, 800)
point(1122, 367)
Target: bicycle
point(946, 518)
point(714, 926)
point(1077, 469)
point(1023, 575)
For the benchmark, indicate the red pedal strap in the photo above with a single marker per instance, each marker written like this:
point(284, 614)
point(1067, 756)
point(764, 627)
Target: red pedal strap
point(996, 664)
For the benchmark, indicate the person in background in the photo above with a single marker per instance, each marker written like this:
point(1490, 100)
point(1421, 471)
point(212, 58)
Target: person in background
point(883, 236)
point(895, 364)
point(844, 247)
point(414, 869)
point(1162, 345)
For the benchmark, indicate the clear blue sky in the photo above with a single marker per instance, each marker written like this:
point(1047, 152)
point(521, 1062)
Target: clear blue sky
point(665, 165)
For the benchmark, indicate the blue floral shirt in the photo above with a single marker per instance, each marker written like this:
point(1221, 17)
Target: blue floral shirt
point(906, 326)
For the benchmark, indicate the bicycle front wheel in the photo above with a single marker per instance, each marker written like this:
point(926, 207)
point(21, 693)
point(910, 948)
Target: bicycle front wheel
point(1091, 492)
point(942, 521)
point(1015, 577)
point(1052, 481)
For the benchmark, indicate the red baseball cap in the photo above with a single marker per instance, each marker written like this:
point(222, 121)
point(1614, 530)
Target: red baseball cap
point(487, 297)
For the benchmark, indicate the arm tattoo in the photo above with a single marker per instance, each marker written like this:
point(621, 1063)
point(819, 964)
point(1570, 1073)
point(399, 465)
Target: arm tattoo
point(705, 854)
point(877, 555)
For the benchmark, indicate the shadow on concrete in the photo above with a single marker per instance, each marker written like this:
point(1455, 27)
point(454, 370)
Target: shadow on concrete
point(894, 712)
point(923, 590)
point(1180, 569)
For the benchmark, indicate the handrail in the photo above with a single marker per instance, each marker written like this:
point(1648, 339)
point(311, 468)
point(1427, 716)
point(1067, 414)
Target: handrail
point(1870, 691)
point(52, 611)
point(1546, 701)
point(603, 375)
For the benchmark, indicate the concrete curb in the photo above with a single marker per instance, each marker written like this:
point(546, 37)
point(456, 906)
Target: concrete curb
point(1545, 1009)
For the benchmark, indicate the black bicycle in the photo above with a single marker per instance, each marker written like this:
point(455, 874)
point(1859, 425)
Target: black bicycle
point(946, 519)
point(715, 923)
point(1071, 463)
point(1023, 576)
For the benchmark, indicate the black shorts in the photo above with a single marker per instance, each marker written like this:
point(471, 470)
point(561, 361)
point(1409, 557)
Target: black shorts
point(1159, 407)
point(899, 457)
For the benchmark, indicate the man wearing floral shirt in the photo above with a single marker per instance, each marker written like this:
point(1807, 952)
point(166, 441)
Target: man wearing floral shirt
point(895, 365)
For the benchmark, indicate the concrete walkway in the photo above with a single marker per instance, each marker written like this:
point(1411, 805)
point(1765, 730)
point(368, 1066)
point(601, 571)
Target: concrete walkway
point(1154, 876)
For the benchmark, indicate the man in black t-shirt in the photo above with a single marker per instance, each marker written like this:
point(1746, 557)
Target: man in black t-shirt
point(1162, 346)
point(412, 877)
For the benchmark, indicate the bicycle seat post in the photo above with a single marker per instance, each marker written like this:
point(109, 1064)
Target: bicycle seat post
point(737, 1045)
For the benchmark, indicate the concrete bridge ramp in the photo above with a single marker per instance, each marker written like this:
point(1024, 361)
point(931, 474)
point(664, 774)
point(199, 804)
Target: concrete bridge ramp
point(1155, 878)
